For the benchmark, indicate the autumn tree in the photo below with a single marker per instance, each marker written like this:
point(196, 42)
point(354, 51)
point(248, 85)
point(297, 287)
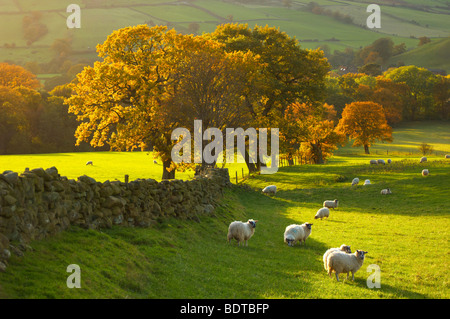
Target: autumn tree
point(288, 73)
point(309, 131)
point(151, 81)
point(366, 123)
point(14, 76)
point(420, 82)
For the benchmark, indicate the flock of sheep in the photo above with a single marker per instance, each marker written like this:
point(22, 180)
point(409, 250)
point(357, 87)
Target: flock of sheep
point(337, 260)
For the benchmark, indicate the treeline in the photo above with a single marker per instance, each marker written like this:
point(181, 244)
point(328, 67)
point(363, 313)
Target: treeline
point(33, 120)
point(378, 53)
point(406, 93)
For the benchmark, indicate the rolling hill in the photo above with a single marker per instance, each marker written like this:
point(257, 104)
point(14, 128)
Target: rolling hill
point(403, 21)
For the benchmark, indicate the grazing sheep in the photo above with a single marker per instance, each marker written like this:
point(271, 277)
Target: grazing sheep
point(447, 156)
point(355, 181)
point(323, 212)
point(423, 159)
point(155, 162)
point(89, 163)
point(389, 161)
point(373, 162)
point(341, 262)
point(425, 172)
point(380, 161)
point(294, 233)
point(386, 191)
point(331, 203)
point(241, 231)
point(344, 248)
point(367, 182)
point(271, 189)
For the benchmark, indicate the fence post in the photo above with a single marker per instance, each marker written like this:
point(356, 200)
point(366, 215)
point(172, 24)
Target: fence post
point(236, 178)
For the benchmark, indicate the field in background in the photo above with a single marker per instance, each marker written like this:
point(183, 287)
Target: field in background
point(401, 23)
point(115, 165)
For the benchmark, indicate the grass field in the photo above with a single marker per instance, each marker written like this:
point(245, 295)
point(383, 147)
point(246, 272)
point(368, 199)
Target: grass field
point(401, 23)
point(406, 234)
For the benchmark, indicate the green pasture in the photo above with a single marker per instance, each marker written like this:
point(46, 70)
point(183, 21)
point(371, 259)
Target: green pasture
point(98, 22)
point(406, 233)
point(106, 165)
point(407, 137)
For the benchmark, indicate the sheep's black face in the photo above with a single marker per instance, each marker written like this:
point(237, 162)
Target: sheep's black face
point(252, 223)
point(290, 242)
point(309, 226)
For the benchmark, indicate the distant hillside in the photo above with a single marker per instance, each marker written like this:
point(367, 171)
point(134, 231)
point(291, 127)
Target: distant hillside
point(433, 55)
point(336, 24)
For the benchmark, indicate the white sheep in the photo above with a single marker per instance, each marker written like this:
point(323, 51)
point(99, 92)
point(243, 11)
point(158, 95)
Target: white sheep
point(323, 212)
point(89, 163)
point(447, 156)
point(425, 172)
point(343, 248)
point(423, 159)
point(271, 189)
point(341, 262)
point(355, 181)
point(331, 203)
point(367, 182)
point(386, 191)
point(241, 231)
point(380, 161)
point(294, 233)
point(373, 162)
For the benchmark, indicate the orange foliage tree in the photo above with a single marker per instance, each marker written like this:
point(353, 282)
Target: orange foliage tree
point(309, 131)
point(365, 122)
point(14, 75)
point(152, 81)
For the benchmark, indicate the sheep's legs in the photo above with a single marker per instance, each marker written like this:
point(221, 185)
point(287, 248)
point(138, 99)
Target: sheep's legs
point(337, 276)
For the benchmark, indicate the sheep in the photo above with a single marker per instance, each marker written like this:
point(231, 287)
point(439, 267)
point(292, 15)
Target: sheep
point(241, 231)
point(343, 248)
point(447, 156)
point(323, 212)
point(341, 262)
point(386, 191)
point(373, 162)
point(425, 172)
point(331, 203)
point(389, 161)
point(294, 233)
point(271, 189)
point(380, 161)
point(423, 159)
point(155, 162)
point(89, 163)
point(355, 181)
point(367, 182)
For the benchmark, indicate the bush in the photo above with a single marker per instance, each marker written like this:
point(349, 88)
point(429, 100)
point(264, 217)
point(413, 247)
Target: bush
point(425, 149)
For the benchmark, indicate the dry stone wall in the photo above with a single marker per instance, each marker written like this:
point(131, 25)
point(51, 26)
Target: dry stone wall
point(40, 203)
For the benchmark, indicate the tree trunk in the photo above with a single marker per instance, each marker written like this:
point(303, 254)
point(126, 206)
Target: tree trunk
point(252, 167)
point(366, 149)
point(167, 174)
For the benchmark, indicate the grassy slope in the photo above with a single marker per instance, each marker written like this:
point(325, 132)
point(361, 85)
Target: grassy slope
point(189, 259)
point(304, 26)
point(431, 55)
